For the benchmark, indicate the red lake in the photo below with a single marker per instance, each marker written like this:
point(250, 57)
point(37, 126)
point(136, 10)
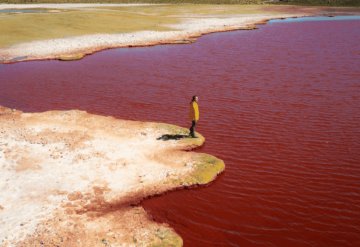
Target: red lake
point(280, 105)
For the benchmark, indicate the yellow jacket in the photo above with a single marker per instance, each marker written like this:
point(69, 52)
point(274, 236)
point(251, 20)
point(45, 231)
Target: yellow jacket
point(194, 111)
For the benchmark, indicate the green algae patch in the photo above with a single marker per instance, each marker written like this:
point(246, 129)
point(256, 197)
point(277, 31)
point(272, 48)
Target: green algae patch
point(206, 168)
point(166, 238)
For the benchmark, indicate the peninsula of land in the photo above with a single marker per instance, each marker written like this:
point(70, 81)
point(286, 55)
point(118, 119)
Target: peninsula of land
point(71, 31)
point(70, 178)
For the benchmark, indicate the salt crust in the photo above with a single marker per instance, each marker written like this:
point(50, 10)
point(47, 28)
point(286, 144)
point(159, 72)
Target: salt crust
point(76, 167)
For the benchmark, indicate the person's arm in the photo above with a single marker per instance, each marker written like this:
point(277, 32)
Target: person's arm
point(191, 112)
point(196, 111)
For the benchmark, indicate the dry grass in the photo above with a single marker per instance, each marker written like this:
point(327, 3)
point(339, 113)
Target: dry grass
point(25, 27)
point(140, 1)
point(297, 2)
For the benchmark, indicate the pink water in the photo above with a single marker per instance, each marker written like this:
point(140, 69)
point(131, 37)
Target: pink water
point(280, 105)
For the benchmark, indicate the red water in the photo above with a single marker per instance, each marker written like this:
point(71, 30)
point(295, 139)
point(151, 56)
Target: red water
point(280, 105)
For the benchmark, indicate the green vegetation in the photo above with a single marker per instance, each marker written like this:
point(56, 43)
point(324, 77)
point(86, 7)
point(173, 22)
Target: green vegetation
point(207, 167)
point(166, 238)
point(297, 2)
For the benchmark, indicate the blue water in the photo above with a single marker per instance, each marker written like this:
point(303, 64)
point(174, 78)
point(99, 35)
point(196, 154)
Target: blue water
point(318, 18)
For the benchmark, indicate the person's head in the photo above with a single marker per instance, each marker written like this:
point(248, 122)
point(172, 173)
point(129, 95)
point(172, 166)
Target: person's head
point(195, 98)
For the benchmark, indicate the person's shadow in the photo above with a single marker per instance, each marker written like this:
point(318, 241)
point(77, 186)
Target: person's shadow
point(167, 137)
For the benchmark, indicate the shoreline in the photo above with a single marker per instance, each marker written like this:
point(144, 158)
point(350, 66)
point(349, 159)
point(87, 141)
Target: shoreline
point(76, 48)
point(67, 5)
point(187, 31)
point(95, 184)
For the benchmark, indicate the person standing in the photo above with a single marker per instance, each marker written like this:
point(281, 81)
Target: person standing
point(194, 114)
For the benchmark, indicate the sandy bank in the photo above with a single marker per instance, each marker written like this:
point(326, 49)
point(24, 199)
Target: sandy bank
point(77, 47)
point(70, 178)
point(67, 5)
point(144, 26)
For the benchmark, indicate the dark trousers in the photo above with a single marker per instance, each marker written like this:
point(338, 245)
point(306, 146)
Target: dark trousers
point(192, 128)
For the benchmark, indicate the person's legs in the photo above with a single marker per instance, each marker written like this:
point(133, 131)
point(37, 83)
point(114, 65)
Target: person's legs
point(192, 129)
